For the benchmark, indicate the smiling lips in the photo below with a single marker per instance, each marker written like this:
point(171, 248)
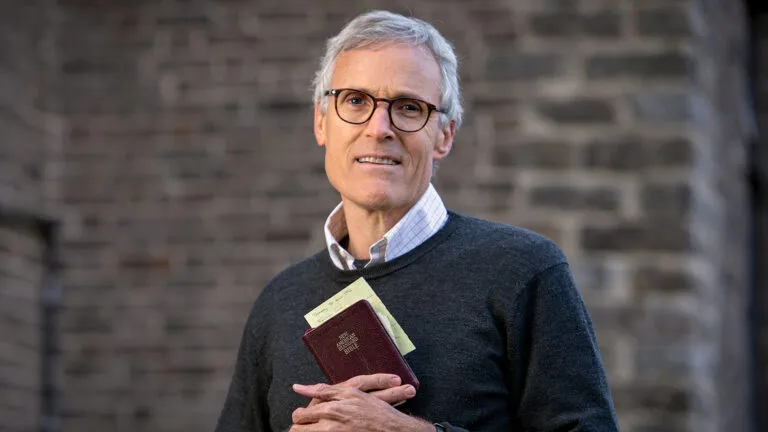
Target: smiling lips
point(377, 160)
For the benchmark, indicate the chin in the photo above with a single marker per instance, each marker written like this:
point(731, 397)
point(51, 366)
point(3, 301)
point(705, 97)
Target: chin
point(377, 200)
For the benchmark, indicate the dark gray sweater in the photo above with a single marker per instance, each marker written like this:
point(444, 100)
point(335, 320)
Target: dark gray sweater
point(503, 340)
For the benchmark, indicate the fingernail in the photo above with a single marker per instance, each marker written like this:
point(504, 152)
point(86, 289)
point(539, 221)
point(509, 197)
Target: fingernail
point(299, 386)
point(395, 380)
point(410, 391)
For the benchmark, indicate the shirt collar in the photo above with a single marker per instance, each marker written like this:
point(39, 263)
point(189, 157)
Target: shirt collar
point(421, 222)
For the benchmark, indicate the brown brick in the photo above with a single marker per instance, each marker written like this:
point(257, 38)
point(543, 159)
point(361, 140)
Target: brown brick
point(535, 153)
point(578, 111)
point(514, 66)
point(664, 22)
point(656, 397)
point(574, 198)
point(632, 153)
point(647, 235)
point(603, 24)
point(666, 198)
point(637, 65)
point(649, 279)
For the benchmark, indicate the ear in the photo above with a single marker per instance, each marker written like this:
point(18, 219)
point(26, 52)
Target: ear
point(319, 126)
point(445, 141)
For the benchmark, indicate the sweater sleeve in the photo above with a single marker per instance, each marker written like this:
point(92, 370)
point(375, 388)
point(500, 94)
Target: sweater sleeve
point(245, 409)
point(558, 379)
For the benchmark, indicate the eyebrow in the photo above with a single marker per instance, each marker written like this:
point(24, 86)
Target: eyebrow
point(398, 95)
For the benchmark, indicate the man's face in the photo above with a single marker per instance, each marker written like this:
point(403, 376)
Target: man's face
point(390, 71)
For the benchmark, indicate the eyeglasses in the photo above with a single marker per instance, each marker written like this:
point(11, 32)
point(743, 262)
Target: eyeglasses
point(406, 114)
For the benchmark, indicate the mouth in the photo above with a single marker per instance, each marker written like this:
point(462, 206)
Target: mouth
point(377, 160)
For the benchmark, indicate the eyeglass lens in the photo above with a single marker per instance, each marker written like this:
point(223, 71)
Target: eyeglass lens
point(357, 107)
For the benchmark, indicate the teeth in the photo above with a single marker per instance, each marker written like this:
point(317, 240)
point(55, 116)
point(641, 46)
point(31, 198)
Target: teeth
point(384, 161)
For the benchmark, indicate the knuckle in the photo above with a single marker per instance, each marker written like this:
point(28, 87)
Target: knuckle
point(296, 415)
point(326, 409)
point(350, 392)
point(354, 382)
point(323, 389)
point(382, 381)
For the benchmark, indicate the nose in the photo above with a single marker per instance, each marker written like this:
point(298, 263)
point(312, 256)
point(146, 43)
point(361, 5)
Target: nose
point(379, 126)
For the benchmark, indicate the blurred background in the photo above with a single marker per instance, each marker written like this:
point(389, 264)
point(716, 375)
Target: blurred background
point(157, 168)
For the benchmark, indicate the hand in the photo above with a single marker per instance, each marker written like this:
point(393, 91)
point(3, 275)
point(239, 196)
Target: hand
point(347, 406)
point(384, 386)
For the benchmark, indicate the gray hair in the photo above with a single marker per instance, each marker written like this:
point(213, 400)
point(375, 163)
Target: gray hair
point(380, 27)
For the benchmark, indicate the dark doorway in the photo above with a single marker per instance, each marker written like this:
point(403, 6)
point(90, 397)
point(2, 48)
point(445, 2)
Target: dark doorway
point(29, 298)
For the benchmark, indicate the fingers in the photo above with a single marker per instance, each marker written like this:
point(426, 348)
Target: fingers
point(314, 402)
point(395, 394)
point(362, 412)
point(364, 383)
point(385, 387)
point(343, 405)
point(303, 416)
point(367, 383)
point(324, 392)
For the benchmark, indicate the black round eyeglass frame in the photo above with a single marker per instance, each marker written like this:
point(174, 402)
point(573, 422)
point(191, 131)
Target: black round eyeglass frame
point(430, 107)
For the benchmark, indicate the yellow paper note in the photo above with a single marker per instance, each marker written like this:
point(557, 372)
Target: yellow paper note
point(359, 290)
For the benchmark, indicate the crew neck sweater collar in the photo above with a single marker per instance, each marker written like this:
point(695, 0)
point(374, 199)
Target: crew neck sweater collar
point(324, 261)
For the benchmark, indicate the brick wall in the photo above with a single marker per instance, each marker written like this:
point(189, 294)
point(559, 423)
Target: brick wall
point(190, 177)
point(184, 195)
point(28, 134)
point(20, 348)
point(25, 140)
point(20, 171)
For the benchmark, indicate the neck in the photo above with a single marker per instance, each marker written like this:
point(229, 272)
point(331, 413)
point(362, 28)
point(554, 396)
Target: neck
point(366, 227)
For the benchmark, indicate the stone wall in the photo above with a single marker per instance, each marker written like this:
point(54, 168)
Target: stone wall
point(189, 177)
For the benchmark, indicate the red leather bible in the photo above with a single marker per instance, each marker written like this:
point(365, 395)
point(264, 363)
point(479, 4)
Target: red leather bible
point(355, 342)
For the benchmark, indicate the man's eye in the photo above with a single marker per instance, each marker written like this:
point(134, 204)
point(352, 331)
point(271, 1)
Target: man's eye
point(410, 108)
point(355, 99)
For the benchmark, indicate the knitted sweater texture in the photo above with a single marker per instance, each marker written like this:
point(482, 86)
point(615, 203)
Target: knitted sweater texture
point(503, 339)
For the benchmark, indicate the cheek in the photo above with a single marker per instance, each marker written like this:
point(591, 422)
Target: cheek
point(336, 155)
point(424, 149)
point(334, 162)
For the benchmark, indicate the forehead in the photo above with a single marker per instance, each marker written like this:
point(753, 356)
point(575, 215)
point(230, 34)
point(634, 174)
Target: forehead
point(389, 71)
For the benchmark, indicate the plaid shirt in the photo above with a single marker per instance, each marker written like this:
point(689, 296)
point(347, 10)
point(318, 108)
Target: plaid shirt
point(421, 222)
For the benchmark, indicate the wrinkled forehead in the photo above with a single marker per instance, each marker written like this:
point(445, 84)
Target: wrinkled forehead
point(390, 70)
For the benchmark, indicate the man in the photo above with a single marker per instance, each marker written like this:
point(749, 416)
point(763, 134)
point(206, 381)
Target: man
point(503, 340)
